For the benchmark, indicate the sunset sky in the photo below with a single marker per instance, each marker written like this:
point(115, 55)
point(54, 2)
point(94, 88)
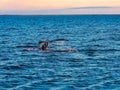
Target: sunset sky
point(59, 6)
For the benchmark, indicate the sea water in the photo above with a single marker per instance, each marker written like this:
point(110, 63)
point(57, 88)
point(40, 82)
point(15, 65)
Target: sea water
point(95, 65)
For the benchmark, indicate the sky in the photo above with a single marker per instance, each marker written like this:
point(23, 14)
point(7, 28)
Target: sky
point(38, 7)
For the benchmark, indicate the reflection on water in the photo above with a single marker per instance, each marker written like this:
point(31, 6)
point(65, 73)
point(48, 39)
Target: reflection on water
point(95, 66)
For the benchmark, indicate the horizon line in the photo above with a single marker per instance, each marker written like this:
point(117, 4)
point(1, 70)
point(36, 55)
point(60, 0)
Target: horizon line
point(52, 14)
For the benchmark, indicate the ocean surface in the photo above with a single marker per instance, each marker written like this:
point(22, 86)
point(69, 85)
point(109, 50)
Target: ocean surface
point(95, 65)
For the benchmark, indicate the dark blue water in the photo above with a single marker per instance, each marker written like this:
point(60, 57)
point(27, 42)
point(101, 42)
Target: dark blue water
point(95, 66)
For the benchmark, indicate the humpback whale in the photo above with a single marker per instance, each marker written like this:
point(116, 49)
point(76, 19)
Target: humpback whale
point(44, 46)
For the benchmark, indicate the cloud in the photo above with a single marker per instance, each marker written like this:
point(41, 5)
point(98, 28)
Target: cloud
point(93, 7)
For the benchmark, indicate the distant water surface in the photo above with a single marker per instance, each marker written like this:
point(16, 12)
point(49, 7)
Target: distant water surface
point(95, 66)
